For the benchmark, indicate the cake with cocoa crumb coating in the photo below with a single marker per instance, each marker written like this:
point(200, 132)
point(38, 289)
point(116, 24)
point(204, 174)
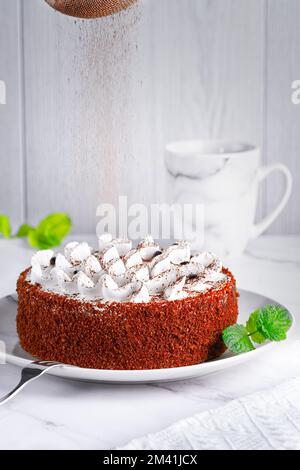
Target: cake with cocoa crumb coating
point(123, 308)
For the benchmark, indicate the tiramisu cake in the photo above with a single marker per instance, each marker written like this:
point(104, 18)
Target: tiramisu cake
point(120, 307)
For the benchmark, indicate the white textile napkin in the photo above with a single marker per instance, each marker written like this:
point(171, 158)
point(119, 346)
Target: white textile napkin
point(265, 420)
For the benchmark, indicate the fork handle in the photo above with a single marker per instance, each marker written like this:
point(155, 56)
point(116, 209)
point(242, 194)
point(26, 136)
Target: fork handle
point(29, 374)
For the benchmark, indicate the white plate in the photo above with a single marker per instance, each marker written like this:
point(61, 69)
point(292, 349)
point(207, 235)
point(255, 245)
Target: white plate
point(248, 302)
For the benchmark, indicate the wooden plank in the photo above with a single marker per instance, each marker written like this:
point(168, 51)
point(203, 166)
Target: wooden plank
point(207, 65)
point(104, 97)
point(282, 116)
point(12, 189)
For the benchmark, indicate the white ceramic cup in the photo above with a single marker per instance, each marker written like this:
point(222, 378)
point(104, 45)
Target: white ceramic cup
point(225, 178)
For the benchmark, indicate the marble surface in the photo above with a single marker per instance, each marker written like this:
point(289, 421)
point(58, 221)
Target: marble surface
point(57, 414)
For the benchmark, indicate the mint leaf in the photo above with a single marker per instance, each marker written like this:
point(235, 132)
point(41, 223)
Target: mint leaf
point(55, 226)
point(37, 241)
point(24, 231)
point(5, 228)
point(273, 322)
point(50, 231)
point(252, 328)
point(237, 340)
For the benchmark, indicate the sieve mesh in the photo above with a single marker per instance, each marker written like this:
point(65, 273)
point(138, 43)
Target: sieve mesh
point(90, 8)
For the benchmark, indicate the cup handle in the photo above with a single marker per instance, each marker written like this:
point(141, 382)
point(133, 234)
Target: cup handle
point(264, 172)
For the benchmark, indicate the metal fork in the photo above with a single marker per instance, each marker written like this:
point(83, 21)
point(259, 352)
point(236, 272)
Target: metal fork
point(28, 374)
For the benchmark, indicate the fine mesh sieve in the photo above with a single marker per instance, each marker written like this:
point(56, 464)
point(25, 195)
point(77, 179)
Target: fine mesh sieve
point(90, 8)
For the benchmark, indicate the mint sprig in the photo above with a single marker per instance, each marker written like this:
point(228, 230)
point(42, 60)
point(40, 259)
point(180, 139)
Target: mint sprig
point(47, 234)
point(270, 323)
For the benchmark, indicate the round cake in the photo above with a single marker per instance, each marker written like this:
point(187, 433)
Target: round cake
point(124, 308)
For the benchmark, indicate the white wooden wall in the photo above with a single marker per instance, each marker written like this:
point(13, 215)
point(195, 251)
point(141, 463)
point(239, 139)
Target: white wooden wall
point(92, 103)
point(12, 157)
